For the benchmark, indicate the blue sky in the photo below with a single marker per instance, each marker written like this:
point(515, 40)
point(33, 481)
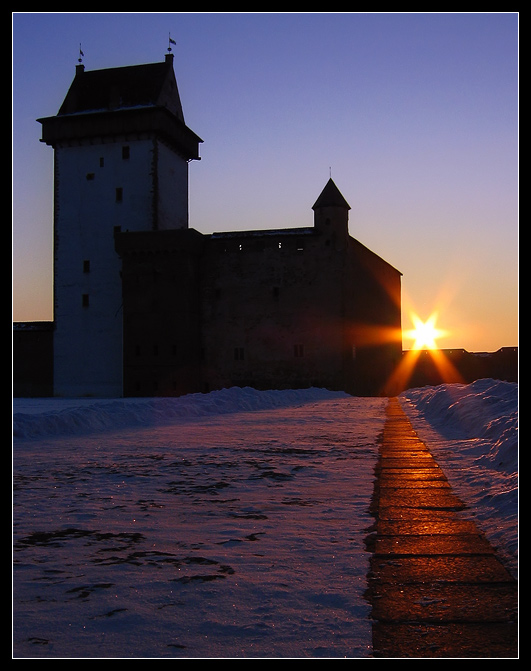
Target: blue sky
point(415, 115)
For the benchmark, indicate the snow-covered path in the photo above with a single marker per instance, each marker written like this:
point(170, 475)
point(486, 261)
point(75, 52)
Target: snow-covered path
point(229, 524)
point(231, 535)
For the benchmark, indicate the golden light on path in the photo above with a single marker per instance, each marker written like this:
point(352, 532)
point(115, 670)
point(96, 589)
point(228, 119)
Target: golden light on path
point(425, 333)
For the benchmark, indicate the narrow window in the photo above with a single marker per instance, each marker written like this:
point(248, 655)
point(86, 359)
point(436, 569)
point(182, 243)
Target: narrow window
point(102, 161)
point(298, 351)
point(86, 266)
point(85, 300)
point(119, 194)
point(276, 292)
point(239, 354)
point(90, 176)
point(125, 152)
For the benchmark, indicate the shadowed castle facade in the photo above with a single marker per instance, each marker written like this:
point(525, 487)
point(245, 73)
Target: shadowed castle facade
point(145, 305)
point(284, 308)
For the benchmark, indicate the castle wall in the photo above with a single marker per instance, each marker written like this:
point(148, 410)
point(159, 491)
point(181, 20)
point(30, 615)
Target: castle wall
point(33, 359)
point(171, 189)
point(135, 185)
point(266, 309)
point(372, 319)
point(271, 308)
point(161, 312)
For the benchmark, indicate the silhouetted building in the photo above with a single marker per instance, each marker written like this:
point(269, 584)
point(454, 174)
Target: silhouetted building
point(284, 308)
point(145, 305)
point(121, 153)
point(33, 359)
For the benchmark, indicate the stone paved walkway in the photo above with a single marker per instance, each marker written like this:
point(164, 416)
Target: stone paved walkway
point(436, 586)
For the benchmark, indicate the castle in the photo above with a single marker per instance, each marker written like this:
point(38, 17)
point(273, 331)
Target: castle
point(144, 305)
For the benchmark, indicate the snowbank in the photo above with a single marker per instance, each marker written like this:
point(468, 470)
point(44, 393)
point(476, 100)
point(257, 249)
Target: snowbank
point(40, 418)
point(472, 431)
point(486, 409)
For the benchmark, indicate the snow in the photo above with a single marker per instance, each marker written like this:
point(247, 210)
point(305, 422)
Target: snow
point(229, 524)
point(472, 431)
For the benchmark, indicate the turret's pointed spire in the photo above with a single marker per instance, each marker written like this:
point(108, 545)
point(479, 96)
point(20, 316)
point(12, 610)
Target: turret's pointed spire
point(331, 196)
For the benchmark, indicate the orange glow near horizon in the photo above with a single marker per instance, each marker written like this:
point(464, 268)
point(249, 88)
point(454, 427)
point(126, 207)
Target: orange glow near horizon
point(401, 376)
point(424, 351)
point(425, 334)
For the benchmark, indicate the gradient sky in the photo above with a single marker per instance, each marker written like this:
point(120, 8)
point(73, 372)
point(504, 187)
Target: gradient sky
point(414, 115)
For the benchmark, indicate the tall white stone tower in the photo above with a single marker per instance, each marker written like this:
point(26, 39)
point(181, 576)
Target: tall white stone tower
point(121, 154)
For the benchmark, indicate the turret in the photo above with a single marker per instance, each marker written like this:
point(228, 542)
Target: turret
point(331, 212)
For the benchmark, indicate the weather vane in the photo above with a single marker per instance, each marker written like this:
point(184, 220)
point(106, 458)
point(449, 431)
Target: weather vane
point(81, 54)
point(170, 42)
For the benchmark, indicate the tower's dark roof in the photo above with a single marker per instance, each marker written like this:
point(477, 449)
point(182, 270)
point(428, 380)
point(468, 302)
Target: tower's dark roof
point(331, 196)
point(118, 101)
point(151, 84)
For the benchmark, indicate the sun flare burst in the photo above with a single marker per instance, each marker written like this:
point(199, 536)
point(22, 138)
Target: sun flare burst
point(425, 334)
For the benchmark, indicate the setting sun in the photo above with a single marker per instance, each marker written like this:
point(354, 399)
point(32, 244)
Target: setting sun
point(425, 333)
